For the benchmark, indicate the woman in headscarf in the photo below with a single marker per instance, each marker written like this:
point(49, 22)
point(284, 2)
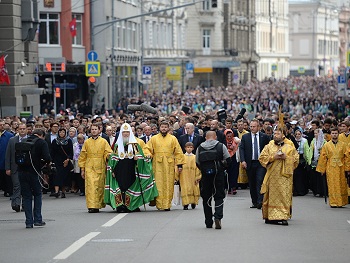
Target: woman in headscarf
point(233, 169)
point(316, 183)
point(300, 182)
point(62, 154)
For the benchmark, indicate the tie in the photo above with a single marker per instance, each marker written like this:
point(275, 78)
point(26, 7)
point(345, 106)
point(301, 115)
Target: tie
point(20, 139)
point(147, 138)
point(255, 148)
point(190, 138)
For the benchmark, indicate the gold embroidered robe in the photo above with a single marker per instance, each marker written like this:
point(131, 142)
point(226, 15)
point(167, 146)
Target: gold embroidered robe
point(334, 161)
point(92, 159)
point(278, 182)
point(166, 152)
point(242, 175)
point(346, 140)
point(190, 173)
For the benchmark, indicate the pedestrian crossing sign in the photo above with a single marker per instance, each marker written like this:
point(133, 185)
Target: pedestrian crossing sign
point(92, 69)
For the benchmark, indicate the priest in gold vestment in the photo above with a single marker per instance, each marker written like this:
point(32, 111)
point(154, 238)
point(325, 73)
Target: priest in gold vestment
point(166, 152)
point(334, 161)
point(345, 137)
point(92, 161)
point(280, 159)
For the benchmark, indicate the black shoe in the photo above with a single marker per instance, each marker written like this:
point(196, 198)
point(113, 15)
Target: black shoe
point(136, 210)
point(29, 226)
point(7, 195)
point(17, 208)
point(259, 206)
point(193, 206)
point(63, 195)
point(82, 194)
point(333, 206)
point(185, 207)
point(168, 209)
point(271, 222)
point(254, 206)
point(217, 224)
point(56, 195)
point(284, 223)
point(52, 194)
point(42, 223)
point(93, 210)
point(209, 226)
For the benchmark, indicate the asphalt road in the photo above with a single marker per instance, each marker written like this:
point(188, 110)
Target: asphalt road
point(316, 233)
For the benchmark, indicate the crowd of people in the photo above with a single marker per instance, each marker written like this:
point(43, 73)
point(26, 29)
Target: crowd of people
point(127, 159)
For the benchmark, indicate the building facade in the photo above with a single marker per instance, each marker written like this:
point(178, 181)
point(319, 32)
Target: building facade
point(314, 37)
point(344, 35)
point(18, 45)
point(272, 34)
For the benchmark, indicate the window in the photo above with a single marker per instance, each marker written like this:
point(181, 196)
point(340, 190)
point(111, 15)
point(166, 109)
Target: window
point(77, 40)
point(118, 34)
point(206, 5)
point(206, 42)
point(133, 37)
point(124, 34)
point(49, 30)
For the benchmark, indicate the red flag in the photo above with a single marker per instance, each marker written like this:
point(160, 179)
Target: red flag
point(4, 76)
point(73, 27)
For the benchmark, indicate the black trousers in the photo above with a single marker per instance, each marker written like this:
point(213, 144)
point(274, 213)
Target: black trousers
point(256, 174)
point(213, 186)
point(5, 182)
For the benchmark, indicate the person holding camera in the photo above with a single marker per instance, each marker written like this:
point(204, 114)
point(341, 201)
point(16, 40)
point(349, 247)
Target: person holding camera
point(212, 157)
point(29, 179)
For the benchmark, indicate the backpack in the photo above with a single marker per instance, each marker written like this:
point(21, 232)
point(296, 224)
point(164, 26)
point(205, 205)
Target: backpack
point(210, 160)
point(24, 152)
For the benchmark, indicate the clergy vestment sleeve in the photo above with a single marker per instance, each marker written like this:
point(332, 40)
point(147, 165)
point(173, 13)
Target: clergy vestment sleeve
point(322, 161)
point(347, 158)
point(82, 157)
point(266, 156)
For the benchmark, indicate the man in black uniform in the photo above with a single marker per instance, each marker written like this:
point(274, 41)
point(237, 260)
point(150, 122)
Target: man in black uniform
point(211, 158)
point(29, 179)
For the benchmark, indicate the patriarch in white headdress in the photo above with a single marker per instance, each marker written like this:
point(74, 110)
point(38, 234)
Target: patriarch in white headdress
point(126, 138)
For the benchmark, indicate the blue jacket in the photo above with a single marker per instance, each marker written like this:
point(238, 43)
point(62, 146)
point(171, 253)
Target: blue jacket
point(4, 140)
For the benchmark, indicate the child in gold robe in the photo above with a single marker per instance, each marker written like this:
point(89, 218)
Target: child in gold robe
point(189, 178)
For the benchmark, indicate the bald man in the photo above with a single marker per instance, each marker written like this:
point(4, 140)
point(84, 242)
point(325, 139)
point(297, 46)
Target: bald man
point(212, 158)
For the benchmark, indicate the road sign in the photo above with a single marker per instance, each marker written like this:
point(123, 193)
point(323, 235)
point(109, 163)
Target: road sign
point(341, 79)
point(92, 69)
point(92, 55)
point(235, 78)
point(173, 72)
point(189, 67)
point(301, 70)
point(147, 70)
point(274, 67)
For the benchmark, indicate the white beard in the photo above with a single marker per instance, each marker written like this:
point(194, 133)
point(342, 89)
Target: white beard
point(125, 140)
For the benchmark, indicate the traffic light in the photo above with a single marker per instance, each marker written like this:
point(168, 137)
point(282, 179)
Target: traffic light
point(48, 85)
point(92, 83)
point(214, 3)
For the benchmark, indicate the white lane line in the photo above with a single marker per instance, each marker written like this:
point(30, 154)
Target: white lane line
point(114, 220)
point(76, 245)
point(349, 221)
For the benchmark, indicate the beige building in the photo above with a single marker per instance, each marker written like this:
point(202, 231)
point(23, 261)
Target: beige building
point(272, 38)
point(222, 38)
point(344, 34)
point(314, 37)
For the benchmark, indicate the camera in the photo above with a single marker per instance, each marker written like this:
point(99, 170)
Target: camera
point(48, 169)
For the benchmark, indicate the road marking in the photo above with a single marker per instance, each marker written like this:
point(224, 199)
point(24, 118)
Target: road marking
point(76, 245)
point(114, 220)
point(349, 221)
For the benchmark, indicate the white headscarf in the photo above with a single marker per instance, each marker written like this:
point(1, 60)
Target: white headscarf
point(121, 151)
point(318, 144)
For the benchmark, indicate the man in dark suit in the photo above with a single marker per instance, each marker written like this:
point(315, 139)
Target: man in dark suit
point(191, 136)
point(250, 148)
point(12, 168)
point(147, 130)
